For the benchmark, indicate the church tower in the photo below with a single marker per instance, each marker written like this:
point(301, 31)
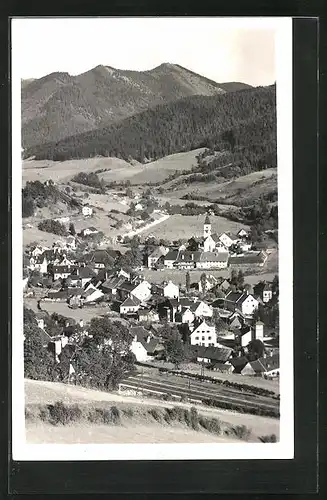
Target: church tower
point(207, 227)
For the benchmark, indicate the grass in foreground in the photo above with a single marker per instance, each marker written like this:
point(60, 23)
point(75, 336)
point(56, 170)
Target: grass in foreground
point(61, 414)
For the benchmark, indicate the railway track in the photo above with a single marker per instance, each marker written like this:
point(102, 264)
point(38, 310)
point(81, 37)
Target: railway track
point(198, 391)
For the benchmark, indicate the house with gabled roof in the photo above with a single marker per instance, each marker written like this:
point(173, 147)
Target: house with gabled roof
point(157, 256)
point(211, 355)
point(170, 258)
point(267, 366)
point(211, 260)
point(242, 301)
point(203, 334)
point(211, 282)
point(130, 306)
point(248, 259)
point(187, 259)
point(82, 275)
point(166, 289)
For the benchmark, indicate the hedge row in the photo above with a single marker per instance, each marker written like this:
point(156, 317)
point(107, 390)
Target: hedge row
point(241, 409)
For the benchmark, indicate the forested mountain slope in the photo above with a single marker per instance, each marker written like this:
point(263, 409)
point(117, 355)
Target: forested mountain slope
point(242, 122)
point(60, 105)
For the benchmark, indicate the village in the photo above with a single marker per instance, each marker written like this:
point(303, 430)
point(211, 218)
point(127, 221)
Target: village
point(227, 325)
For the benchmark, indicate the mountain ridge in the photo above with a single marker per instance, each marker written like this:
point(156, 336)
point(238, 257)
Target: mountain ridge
point(60, 105)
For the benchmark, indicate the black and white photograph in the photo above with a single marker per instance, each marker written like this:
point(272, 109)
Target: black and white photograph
point(152, 238)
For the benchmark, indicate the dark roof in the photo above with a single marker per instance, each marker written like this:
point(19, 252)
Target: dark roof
point(100, 256)
point(75, 291)
point(126, 286)
point(214, 257)
point(83, 272)
point(114, 282)
point(266, 364)
point(248, 258)
point(188, 256)
point(239, 363)
point(172, 255)
point(139, 331)
point(207, 220)
point(152, 346)
point(131, 301)
point(213, 353)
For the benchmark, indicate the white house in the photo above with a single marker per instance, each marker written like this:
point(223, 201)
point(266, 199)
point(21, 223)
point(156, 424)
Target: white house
point(130, 305)
point(171, 290)
point(267, 293)
point(210, 260)
point(210, 283)
point(61, 272)
point(170, 258)
point(138, 207)
point(89, 230)
point(201, 309)
point(41, 264)
point(157, 254)
point(38, 250)
point(242, 233)
point(185, 316)
point(142, 291)
point(228, 240)
point(139, 351)
point(92, 293)
point(209, 244)
point(87, 210)
point(244, 302)
point(204, 335)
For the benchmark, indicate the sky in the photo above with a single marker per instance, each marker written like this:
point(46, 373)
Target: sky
point(222, 49)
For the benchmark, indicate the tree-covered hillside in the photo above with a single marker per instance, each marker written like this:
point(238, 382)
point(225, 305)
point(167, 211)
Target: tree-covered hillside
point(240, 121)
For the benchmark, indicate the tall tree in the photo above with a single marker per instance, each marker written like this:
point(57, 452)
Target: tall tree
point(240, 279)
point(203, 281)
point(174, 349)
point(188, 281)
point(72, 229)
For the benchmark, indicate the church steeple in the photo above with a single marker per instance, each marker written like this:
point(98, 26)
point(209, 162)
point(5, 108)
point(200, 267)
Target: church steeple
point(207, 227)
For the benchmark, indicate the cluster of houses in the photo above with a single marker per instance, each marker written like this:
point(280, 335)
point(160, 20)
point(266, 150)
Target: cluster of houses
point(150, 305)
point(212, 251)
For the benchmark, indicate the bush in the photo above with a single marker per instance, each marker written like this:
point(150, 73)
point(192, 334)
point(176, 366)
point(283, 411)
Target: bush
point(62, 414)
point(212, 425)
point(242, 432)
point(270, 438)
point(194, 419)
point(155, 414)
point(53, 226)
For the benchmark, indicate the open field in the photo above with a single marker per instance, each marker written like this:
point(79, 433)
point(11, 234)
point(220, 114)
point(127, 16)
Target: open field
point(245, 187)
point(63, 171)
point(86, 313)
point(39, 392)
point(186, 226)
point(118, 170)
point(178, 276)
point(160, 170)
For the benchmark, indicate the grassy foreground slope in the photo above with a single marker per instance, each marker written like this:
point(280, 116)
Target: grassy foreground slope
point(135, 420)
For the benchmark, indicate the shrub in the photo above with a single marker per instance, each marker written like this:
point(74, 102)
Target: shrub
point(115, 415)
point(194, 419)
point(242, 432)
point(62, 414)
point(270, 438)
point(211, 424)
point(155, 414)
point(128, 412)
